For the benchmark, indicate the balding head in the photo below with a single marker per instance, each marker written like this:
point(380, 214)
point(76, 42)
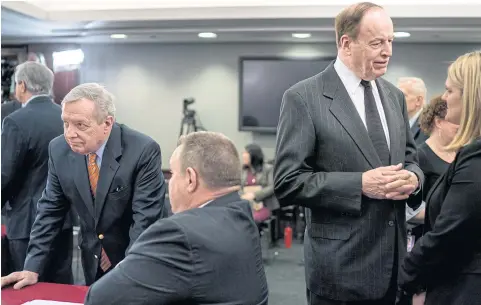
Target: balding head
point(205, 165)
point(364, 34)
point(415, 93)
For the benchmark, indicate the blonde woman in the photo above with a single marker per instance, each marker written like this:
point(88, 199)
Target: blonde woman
point(446, 261)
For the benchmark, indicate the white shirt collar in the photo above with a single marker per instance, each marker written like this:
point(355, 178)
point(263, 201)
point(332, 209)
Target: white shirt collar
point(350, 80)
point(203, 205)
point(414, 118)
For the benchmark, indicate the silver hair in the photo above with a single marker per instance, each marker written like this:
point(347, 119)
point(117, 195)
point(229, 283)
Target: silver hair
point(417, 86)
point(103, 99)
point(38, 78)
point(213, 156)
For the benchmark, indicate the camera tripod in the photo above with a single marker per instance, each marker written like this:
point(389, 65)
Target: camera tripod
point(189, 122)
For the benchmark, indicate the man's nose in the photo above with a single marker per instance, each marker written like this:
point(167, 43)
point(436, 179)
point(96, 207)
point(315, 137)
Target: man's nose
point(387, 50)
point(70, 132)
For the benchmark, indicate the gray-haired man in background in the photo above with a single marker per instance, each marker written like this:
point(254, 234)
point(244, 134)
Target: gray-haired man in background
point(26, 135)
point(415, 93)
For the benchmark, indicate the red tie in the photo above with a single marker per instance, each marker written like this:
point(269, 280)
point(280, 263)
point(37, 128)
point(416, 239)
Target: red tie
point(94, 172)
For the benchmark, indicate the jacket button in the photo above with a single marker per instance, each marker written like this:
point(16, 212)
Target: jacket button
point(96, 257)
point(101, 236)
point(391, 223)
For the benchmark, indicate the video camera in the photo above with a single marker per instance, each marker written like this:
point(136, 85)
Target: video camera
point(187, 102)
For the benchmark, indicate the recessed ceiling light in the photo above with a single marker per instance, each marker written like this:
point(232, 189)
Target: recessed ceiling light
point(401, 34)
point(207, 35)
point(301, 35)
point(118, 36)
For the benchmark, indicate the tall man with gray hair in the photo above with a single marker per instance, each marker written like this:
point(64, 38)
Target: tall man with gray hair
point(108, 173)
point(414, 91)
point(208, 252)
point(26, 135)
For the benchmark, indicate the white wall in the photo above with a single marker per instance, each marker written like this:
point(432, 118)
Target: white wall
point(151, 80)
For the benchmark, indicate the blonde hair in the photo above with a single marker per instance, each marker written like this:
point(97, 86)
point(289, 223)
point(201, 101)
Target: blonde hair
point(465, 74)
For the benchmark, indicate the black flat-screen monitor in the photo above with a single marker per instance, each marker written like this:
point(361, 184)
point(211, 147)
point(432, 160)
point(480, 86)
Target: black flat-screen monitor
point(263, 82)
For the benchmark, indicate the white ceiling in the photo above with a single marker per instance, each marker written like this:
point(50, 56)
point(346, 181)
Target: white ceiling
point(179, 21)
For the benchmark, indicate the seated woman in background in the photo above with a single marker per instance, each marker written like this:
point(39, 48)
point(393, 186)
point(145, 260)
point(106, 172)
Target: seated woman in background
point(446, 261)
point(434, 158)
point(257, 182)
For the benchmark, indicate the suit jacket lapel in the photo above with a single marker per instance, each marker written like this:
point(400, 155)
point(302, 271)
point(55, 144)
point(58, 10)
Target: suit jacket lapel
point(108, 169)
point(346, 113)
point(387, 99)
point(81, 178)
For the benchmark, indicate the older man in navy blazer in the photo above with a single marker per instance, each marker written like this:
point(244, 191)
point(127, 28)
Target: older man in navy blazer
point(110, 174)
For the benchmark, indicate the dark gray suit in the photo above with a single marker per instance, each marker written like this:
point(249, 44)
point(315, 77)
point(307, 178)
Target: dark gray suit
point(26, 136)
point(130, 197)
point(209, 255)
point(419, 136)
point(322, 150)
point(10, 107)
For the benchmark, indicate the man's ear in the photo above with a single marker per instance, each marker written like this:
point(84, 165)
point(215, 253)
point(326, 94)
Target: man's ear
point(109, 122)
point(22, 86)
point(419, 102)
point(345, 43)
point(193, 179)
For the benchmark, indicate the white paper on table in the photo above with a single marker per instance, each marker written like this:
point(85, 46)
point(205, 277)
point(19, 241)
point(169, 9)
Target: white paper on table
point(47, 302)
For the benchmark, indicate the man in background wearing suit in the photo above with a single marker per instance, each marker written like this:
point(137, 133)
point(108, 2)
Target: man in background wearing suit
point(208, 252)
point(110, 174)
point(414, 91)
point(10, 107)
point(6, 109)
point(26, 135)
point(345, 151)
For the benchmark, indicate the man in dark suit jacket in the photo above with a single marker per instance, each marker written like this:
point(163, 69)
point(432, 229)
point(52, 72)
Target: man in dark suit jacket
point(208, 252)
point(26, 135)
point(10, 107)
point(344, 151)
point(110, 174)
point(414, 91)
